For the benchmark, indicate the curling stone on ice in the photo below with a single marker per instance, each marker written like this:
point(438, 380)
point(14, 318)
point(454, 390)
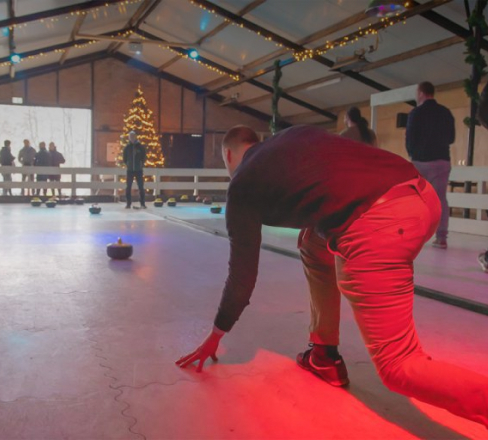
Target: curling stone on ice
point(199, 199)
point(184, 198)
point(158, 203)
point(216, 209)
point(80, 201)
point(36, 201)
point(95, 209)
point(207, 201)
point(51, 203)
point(172, 201)
point(119, 250)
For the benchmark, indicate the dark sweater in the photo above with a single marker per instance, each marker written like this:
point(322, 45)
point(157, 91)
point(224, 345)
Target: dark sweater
point(6, 157)
point(42, 159)
point(303, 177)
point(430, 132)
point(134, 156)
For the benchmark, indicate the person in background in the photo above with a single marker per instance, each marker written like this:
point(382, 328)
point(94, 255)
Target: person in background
point(42, 159)
point(7, 159)
point(430, 132)
point(358, 239)
point(134, 156)
point(483, 118)
point(56, 159)
point(27, 155)
point(357, 128)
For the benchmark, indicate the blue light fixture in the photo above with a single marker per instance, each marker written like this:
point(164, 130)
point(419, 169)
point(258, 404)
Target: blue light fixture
point(385, 8)
point(15, 58)
point(193, 54)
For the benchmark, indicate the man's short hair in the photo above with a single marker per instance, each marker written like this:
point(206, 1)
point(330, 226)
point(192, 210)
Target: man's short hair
point(239, 136)
point(427, 88)
point(133, 132)
point(7, 142)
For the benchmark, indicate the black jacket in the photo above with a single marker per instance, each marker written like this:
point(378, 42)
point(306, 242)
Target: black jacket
point(6, 157)
point(134, 156)
point(56, 158)
point(42, 159)
point(430, 132)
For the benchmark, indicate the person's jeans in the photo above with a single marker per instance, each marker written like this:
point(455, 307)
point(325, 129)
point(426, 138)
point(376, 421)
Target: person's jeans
point(140, 184)
point(437, 174)
point(7, 177)
point(374, 271)
point(28, 178)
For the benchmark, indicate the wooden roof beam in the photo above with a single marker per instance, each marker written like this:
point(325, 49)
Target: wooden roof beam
point(74, 32)
point(214, 32)
point(231, 72)
point(133, 23)
point(423, 50)
point(299, 48)
point(50, 13)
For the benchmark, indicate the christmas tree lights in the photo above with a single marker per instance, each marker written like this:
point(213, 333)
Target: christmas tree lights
point(140, 119)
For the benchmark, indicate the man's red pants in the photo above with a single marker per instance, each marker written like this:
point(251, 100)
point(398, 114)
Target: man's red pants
point(371, 263)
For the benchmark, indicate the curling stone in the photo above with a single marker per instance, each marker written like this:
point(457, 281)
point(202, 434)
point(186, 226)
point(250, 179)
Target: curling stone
point(119, 250)
point(63, 201)
point(216, 209)
point(80, 201)
point(158, 203)
point(184, 198)
point(172, 201)
point(36, 201)
point(199, 199)
point(95, 209)
point(207, 201)
point(51, 203)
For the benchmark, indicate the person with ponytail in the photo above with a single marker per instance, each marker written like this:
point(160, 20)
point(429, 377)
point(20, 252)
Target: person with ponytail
point(357, 128)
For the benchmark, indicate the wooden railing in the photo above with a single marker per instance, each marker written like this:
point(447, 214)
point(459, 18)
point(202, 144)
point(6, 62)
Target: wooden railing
point(476, 202)
point(99, 180)
point(103, 180)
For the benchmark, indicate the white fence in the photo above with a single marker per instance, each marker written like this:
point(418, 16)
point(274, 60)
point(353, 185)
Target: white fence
point(476, 201)
point(107, 180)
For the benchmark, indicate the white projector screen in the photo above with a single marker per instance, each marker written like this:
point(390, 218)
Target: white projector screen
point(69, 128)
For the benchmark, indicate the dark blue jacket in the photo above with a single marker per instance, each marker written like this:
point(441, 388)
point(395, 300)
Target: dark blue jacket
point(430, 132)
point(134, 156)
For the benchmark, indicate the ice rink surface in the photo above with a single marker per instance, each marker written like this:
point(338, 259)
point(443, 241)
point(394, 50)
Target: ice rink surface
point(88, 345)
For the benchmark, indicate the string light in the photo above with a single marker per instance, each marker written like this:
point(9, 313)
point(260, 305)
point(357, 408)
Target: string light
point(75, 46)
point(305, 54)
point(94, 11)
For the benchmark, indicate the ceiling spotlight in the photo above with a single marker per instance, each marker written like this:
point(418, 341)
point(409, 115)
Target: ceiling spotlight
point(135, 48)
point(385, 8)
point(193, 54)
point(15, 58)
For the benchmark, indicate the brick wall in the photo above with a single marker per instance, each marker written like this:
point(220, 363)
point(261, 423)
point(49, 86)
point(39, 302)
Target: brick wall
point(108, 87)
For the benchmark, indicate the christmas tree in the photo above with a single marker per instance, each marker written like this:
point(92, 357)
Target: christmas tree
point(140, 120)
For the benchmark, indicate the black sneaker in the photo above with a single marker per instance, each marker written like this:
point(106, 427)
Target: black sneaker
point(143, 207)
point(127, 206)
point(332, 371)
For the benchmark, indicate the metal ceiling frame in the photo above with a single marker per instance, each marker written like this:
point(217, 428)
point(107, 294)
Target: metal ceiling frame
point(137, 18)
point(50, 13)
point(419, 51)
point(299, 48)
point(215, 31)
point(253, 82)
point(279, 40)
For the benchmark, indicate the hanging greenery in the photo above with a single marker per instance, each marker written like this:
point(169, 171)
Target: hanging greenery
point(473, 55)
point(277, 92)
